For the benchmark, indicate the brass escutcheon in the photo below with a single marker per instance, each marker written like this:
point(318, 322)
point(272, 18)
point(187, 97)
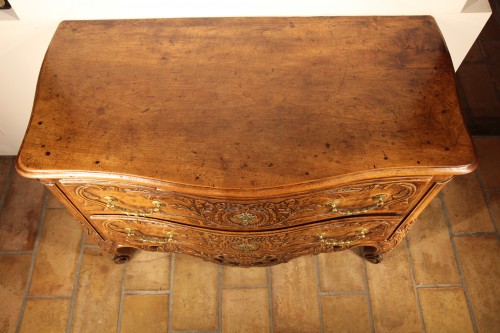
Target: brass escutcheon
point(246, 247)
point(245, 218)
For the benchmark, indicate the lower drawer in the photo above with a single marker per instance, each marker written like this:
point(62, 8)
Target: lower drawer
point(243, 248)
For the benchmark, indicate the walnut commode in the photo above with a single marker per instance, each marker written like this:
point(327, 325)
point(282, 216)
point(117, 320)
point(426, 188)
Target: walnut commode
point(247, 141)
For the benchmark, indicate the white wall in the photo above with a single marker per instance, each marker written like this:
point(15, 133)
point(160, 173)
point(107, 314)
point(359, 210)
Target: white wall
point(26, 30)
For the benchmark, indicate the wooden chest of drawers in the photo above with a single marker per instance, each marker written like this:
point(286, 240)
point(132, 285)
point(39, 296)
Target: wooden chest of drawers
point(247, 141)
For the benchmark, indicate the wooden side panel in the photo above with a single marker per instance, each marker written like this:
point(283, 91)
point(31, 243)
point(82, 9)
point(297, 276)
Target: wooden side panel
point(87, 226)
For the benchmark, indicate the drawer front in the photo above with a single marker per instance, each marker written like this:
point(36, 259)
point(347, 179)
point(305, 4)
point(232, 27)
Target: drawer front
point(387, 197)
point(258, 248)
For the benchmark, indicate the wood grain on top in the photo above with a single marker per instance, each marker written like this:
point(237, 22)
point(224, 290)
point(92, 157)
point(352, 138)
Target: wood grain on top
point(247, 103)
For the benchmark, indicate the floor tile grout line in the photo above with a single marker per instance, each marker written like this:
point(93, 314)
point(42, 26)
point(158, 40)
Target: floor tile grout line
point(147, 292)
point(57, 208)
point(15, 252)
point(492, 216)
point(33, 262)
point(219, 296)
point(415, 289)
point(438, 286)
point(48, 297)
point(270, 298)
point(121, 301)
point(342, 293)
point(75, 284)
point(474, 234)
point(457, 261)
point(243, 287)
point(195, 331)
point(171, 297)
point(6, 185)
point(486, 198)
point(318, 285)
point(368, 296)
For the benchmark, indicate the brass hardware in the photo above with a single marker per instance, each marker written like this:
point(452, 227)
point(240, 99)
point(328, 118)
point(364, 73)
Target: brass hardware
point(246, 247)
point(345, 211)
point(245, 218)
point(361, 234)
point(109, 199)
point(132, 233)
point(170, 236)
point(129, 212)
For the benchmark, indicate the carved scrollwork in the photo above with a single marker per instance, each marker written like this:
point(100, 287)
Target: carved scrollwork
point(239, 214)
point(250, 249)
point(142, 201)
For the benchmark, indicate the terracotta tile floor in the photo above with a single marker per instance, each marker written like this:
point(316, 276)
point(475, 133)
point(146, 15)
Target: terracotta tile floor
point(443, 278)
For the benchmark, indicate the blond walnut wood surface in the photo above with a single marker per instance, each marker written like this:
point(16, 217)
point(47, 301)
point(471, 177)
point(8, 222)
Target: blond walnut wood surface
point(246, 103)
point(247, 141)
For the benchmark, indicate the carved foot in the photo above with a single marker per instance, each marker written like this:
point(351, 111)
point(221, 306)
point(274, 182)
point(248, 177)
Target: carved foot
point(374, 258)
point(372, 254)
point(121, 258)
point(122, 255)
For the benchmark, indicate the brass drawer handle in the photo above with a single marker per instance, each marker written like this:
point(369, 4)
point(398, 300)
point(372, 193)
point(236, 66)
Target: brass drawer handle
point(345, 211)
point(361, 234)
point(129, 212)
point(132, 233)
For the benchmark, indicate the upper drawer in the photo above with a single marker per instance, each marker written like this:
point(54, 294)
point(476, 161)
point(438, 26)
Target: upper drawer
point(375, 197)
